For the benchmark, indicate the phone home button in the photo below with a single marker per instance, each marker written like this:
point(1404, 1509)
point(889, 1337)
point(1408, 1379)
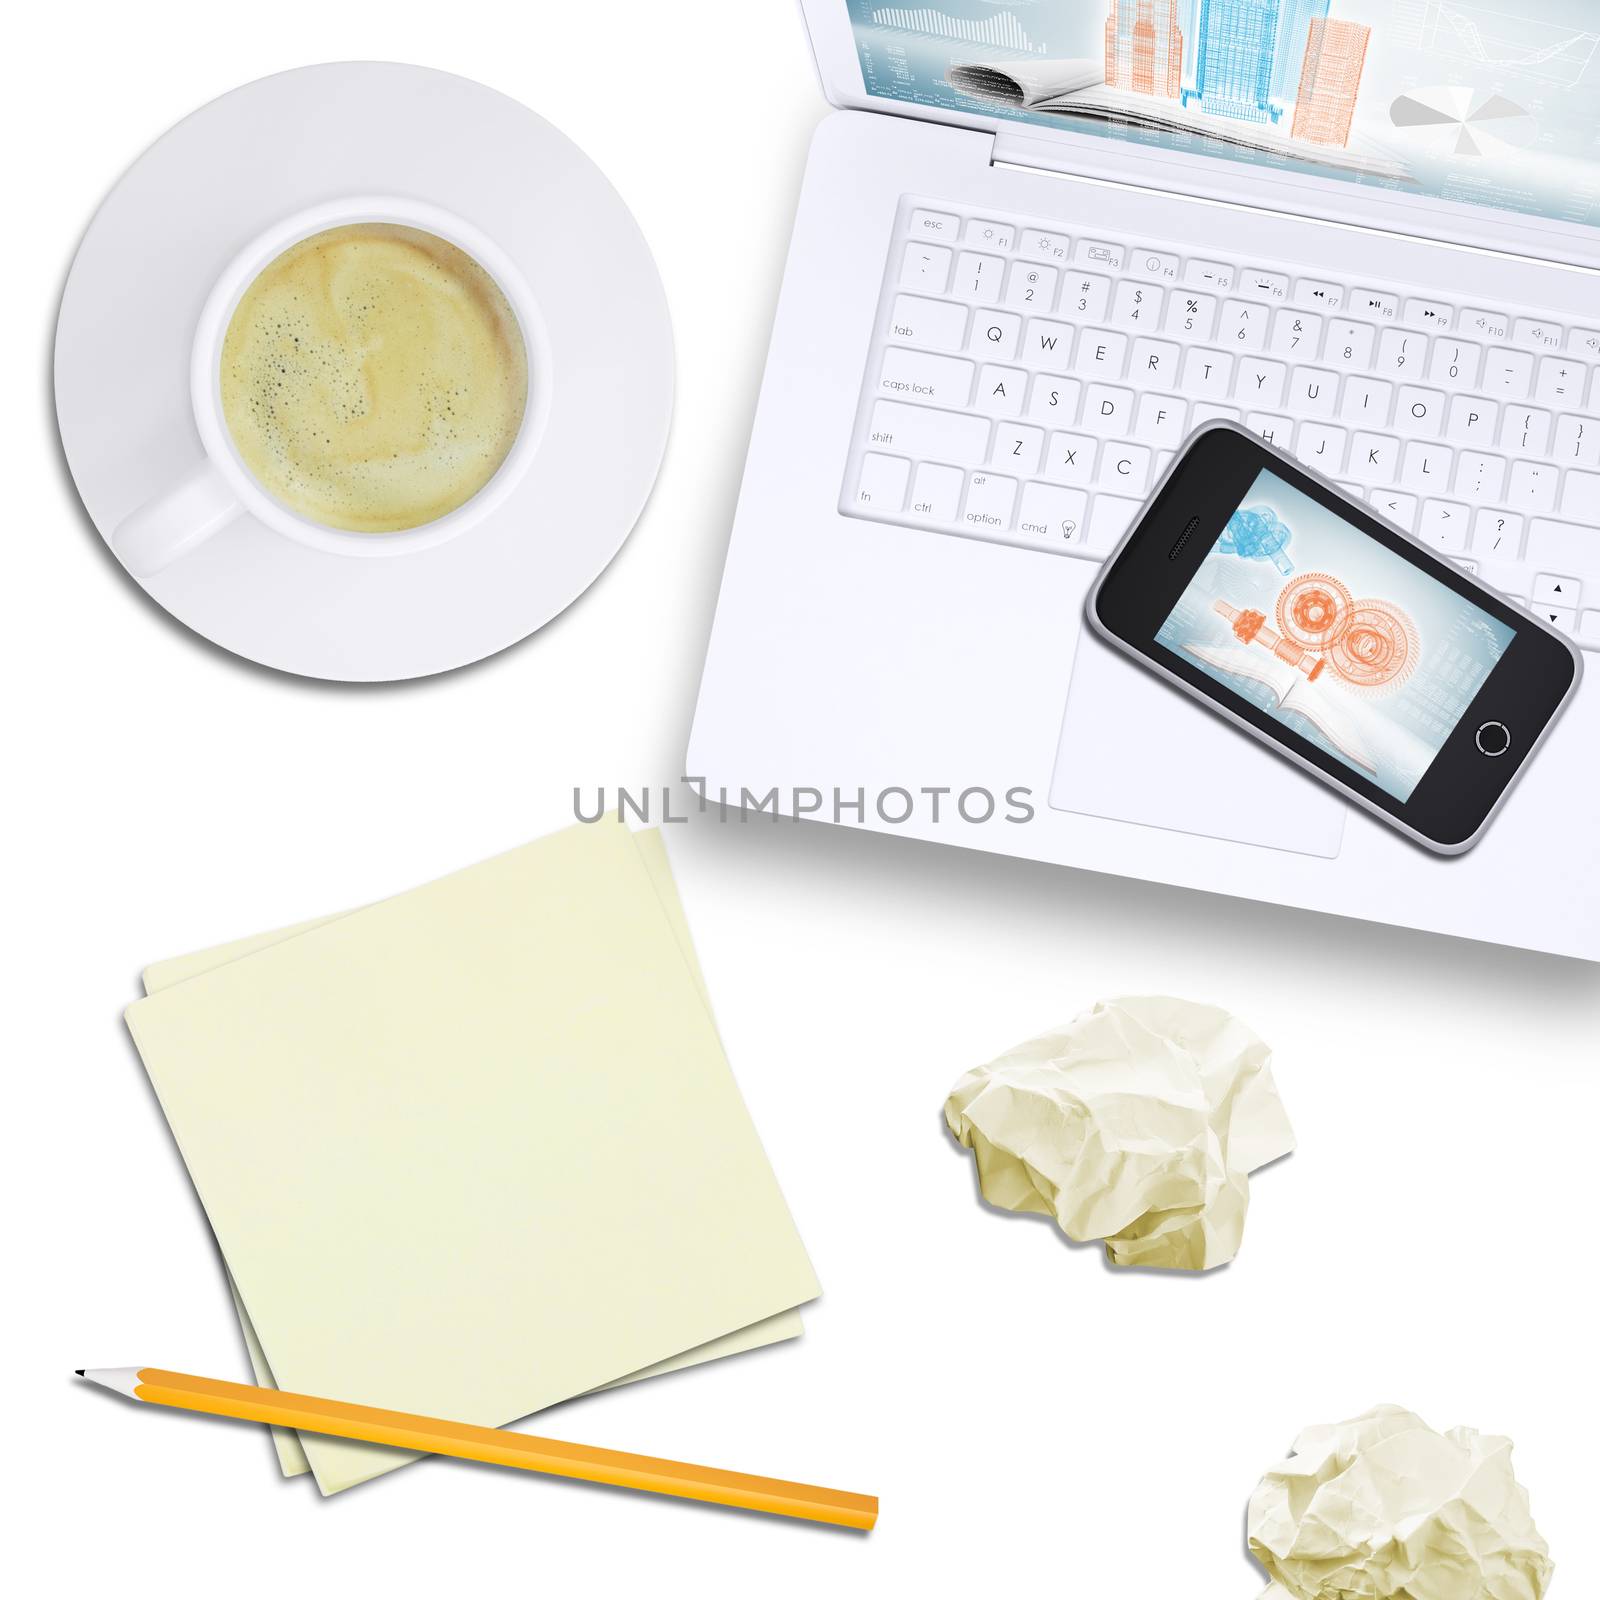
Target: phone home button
point(1493, 738)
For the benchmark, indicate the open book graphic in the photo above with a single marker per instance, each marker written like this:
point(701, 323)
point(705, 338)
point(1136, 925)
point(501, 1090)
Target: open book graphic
point(1031, 84)
point(1291, 690)
point(1077, 88)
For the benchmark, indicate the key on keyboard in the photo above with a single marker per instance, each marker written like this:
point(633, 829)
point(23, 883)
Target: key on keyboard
point(1027, 385)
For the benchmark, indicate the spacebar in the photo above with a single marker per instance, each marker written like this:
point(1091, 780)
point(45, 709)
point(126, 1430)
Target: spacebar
point(928, 434)
point(1563, 547)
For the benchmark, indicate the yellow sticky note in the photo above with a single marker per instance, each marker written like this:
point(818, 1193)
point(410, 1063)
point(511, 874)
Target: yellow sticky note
point(291, 1453)
point(475, 1149)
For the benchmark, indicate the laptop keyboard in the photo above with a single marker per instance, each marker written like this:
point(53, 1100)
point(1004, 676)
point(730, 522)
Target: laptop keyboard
point(1027, 386)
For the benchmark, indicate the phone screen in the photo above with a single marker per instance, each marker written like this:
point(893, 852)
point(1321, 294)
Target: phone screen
point(1336, 637)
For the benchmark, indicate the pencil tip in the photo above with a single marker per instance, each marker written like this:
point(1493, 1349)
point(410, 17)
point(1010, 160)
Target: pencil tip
point(78, 1371)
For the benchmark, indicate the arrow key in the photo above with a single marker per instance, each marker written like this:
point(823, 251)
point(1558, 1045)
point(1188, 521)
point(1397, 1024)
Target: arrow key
point(1552, 590)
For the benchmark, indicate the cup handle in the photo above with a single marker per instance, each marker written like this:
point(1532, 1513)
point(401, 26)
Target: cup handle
point(175, 522)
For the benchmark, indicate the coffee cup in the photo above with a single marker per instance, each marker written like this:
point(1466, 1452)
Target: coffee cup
point(326, 466)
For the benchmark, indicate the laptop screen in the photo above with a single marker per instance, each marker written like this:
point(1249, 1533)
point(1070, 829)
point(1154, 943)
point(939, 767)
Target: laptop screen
point(1493, 105)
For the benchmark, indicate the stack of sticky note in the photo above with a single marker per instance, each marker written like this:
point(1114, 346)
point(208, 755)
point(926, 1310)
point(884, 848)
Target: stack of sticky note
point(476, 1149)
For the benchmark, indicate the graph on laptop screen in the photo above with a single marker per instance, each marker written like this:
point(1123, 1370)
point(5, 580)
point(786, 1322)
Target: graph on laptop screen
point(1355, 648)
point(1491, 105)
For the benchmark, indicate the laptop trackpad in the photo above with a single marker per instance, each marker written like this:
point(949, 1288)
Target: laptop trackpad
point(1135, 750)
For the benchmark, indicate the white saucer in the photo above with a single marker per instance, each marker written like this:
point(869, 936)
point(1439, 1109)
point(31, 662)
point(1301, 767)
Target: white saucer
point(276, 147)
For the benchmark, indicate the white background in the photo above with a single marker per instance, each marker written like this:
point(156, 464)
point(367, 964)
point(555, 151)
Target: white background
point(1033, 1423)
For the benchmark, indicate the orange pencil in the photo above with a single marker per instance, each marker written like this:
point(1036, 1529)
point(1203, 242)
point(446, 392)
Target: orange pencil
point(497, 1446)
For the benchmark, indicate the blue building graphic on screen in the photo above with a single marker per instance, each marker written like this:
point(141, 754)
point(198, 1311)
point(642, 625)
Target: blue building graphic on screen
point(1234, 59)
point(1294, 26)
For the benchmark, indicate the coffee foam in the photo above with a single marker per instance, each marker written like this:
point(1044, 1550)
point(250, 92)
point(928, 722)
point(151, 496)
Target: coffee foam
point(373, 378)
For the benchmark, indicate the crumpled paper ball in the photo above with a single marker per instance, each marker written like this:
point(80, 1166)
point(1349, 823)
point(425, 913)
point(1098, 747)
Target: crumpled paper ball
point(1139, 1124)
point(1382, 1506)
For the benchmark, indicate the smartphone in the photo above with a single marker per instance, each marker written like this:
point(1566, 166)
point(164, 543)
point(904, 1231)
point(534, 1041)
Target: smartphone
point(1349, 647)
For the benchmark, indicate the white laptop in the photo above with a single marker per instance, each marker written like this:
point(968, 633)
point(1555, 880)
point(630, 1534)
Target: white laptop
point(1038, 242)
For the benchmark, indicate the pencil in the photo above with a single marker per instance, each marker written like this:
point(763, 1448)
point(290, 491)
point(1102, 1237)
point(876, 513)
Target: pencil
point(497, 1446)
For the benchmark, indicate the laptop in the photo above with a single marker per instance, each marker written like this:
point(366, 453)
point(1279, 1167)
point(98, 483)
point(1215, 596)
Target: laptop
point(1038, 242)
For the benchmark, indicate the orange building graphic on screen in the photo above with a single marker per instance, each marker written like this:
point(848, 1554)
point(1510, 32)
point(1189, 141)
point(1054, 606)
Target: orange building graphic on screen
point(1330, 76)
point(1144, 47)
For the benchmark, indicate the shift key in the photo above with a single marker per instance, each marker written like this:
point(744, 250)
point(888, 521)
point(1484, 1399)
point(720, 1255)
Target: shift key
point(1563, 547)
point(926, 434)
